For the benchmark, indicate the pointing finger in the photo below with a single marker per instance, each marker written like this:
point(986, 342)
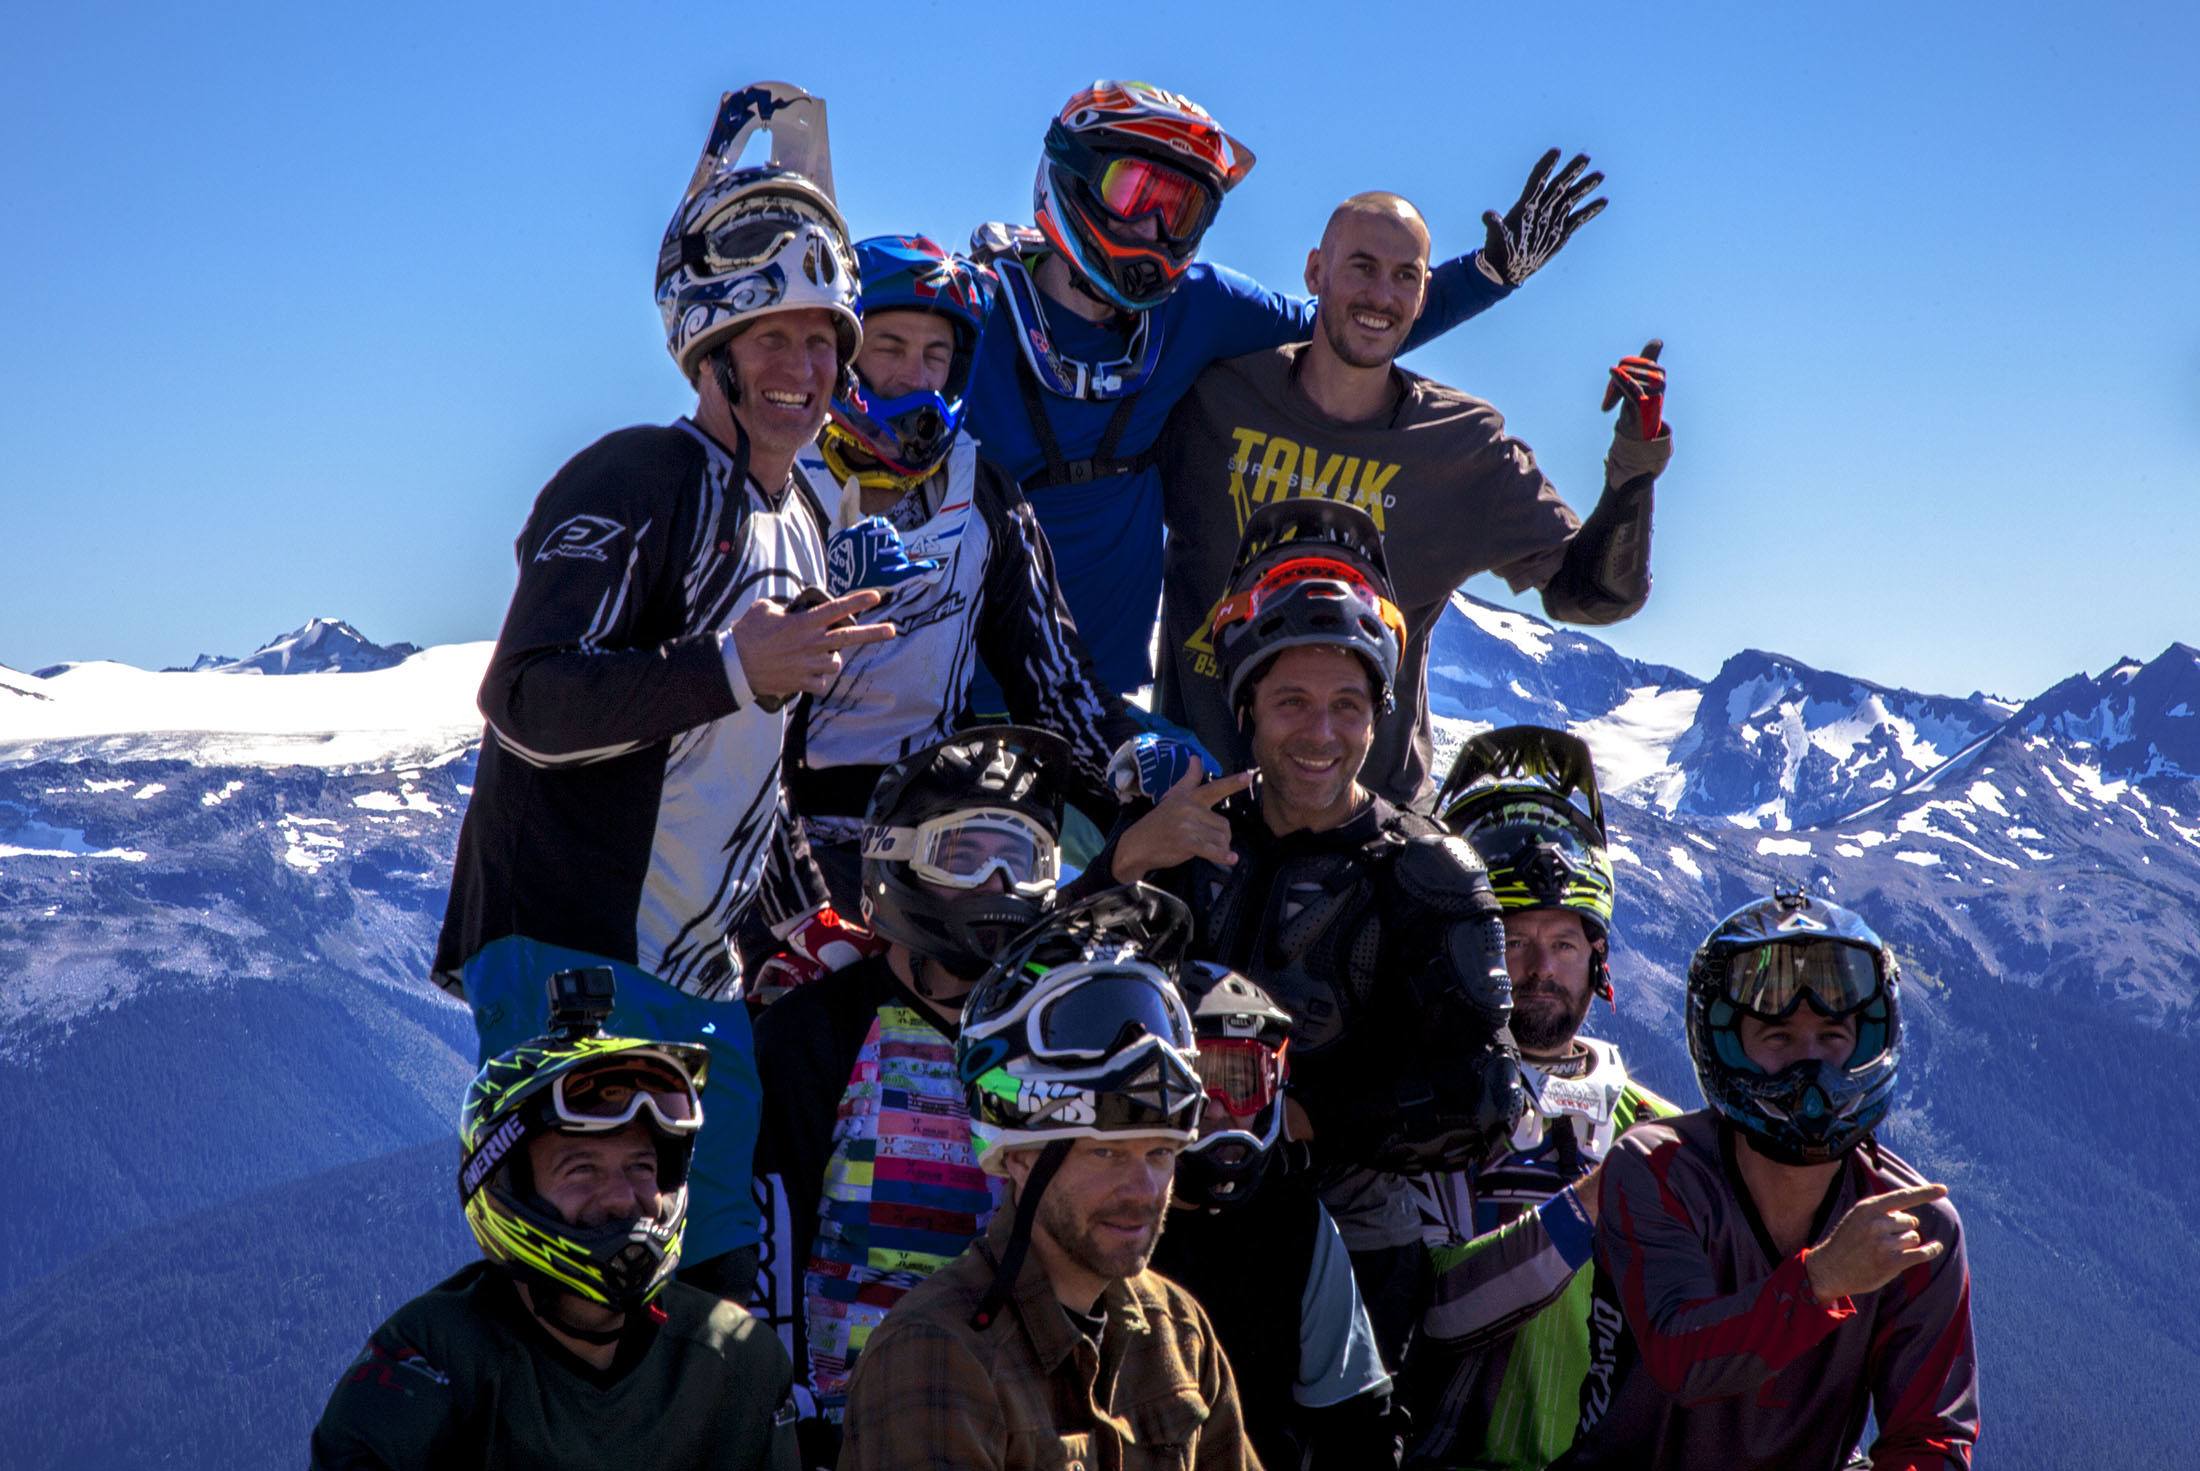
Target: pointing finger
point(1214, 792)
point(1652, 348)
point(850, 605)
point(1903, 1199)
point(856, 635)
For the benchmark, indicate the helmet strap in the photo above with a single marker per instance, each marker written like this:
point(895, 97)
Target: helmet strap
point(729, 388)
point(1019, 1236)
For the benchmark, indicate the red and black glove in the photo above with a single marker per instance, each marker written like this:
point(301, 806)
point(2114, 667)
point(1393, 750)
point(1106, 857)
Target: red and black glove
point(820, 943)
point(1637, 384)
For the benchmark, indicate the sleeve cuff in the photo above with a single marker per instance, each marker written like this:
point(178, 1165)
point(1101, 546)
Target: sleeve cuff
point(736, 677)
point(1630, 459)
point(1569, 1228)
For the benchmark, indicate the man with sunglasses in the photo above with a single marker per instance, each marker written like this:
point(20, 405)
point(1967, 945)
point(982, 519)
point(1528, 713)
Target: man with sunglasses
point(1767, 1275)
point(1049, 1343)
point(1495, 1378)
point(571, 1346)
point(1451, 492)
point(1249, 1237)
point(1104, 320)
point(628, 807)
point(865, 1161)
point(1371, 926)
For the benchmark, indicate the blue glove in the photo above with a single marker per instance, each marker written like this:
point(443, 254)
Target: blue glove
point(869, 554)
point(1147, 766)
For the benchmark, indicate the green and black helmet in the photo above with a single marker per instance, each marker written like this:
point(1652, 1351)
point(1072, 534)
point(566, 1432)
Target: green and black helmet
point(1526, 797)
point(577, 1080)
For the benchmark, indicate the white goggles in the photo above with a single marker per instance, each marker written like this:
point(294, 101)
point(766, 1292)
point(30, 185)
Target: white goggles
point(962, 850)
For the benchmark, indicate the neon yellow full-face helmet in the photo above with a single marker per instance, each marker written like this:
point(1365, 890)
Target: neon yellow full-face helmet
point(1526, 797)
point(579, 1081)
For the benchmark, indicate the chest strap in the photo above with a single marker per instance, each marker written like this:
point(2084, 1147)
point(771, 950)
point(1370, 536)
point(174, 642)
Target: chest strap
point(1104, 463)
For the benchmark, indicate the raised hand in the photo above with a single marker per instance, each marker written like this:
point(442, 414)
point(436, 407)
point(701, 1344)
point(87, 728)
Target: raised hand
point(1875, 1242)
point(793, 650)
point(1638, 384)
point(1182, 826)
point(870, 554)
point(1541, 221)
point(819, 944)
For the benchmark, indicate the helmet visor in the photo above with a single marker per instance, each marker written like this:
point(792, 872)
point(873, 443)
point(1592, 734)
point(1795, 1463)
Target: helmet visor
point(1771, 980)
point(612, 1094)
point(1097, 1015)
point(1131, 188)
point(1243, 1074)
point(1243, 607)
point(1536, 858)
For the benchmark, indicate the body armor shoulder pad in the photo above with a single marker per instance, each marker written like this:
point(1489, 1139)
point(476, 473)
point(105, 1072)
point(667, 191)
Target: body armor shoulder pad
point(1443, 873)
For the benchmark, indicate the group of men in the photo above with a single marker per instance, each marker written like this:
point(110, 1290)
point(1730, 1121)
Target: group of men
point(796, 703)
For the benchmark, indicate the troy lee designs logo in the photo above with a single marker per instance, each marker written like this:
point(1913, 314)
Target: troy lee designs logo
point(490, 1155)
point(583, 537)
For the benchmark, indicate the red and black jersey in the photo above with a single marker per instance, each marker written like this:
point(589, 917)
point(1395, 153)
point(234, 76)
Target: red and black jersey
point(1708, 1347)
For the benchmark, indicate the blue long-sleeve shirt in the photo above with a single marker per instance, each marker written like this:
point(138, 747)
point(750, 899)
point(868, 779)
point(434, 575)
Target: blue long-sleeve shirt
point(1106, 533)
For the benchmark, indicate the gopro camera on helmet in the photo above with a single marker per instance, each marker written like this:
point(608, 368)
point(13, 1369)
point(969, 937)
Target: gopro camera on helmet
point(581, 1000)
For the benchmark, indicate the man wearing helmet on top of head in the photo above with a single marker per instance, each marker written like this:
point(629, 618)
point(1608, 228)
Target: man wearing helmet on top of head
point(1767, 1276)
point(1104, 319)
point(571, 1345)
point(956, 554)
point(1049, 1343)
point(1373, 927)
point(628, 806)
point(1252, 1241)
point(863, 1199)
point(1495, 1379)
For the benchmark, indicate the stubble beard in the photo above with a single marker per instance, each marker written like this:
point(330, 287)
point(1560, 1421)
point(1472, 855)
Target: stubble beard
point(1080, 1240)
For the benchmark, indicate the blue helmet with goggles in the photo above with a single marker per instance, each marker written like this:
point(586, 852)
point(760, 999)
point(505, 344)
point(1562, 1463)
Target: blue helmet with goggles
point(1769, 960)
point(903, 439)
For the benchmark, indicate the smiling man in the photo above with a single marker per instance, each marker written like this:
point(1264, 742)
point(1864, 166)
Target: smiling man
point(1452, 493)
point(628, 808)
point(1376, 930)
point(1048, 1343)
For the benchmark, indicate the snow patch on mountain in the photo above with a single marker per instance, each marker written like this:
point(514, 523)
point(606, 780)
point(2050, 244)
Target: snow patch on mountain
point(417, 712)
point(1531, 636)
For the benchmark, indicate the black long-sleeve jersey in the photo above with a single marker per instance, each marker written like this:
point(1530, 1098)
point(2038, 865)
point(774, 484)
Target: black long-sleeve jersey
point(628, 802)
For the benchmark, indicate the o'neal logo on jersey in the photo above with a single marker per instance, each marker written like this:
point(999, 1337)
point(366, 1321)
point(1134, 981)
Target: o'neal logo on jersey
point(585, 538)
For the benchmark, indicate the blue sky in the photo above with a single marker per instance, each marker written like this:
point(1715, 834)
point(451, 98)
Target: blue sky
point(304, 303)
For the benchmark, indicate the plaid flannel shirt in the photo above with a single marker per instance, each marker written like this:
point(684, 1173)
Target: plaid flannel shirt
point(932, 1393)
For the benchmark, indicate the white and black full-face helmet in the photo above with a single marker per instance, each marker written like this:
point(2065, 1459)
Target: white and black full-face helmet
point(749, 242)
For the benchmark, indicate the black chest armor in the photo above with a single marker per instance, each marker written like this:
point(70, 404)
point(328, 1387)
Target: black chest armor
point(1383, 941)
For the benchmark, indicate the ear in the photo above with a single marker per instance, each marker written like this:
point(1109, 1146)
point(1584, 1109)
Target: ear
point(1018, 1163)
point(1314, 272)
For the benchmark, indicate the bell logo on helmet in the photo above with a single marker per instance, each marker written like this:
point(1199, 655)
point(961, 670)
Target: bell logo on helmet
point(1800, 921)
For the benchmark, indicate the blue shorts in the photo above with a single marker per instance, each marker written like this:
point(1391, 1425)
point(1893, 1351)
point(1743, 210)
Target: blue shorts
point(506, 986)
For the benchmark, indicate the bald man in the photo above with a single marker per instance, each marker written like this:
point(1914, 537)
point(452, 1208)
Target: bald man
point(1453, 494)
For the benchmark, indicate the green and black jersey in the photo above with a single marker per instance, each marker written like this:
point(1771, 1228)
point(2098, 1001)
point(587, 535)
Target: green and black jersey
point(464, 1376)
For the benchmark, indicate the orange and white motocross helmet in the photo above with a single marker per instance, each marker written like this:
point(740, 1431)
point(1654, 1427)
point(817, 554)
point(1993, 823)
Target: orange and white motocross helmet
point(1121, 154)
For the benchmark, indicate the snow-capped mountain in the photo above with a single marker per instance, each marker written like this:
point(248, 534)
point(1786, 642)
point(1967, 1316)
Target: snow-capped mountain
point(322, 645)
point(218, 897)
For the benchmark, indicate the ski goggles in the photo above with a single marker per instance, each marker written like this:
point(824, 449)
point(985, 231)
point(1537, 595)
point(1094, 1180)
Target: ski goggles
point(612, 1094)
point(745, 238)
point(1100, 1014)
point(1132, 188)
point(962, 850)
point(1771, 980)
point(1244, 606)
point(1243, 1074)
